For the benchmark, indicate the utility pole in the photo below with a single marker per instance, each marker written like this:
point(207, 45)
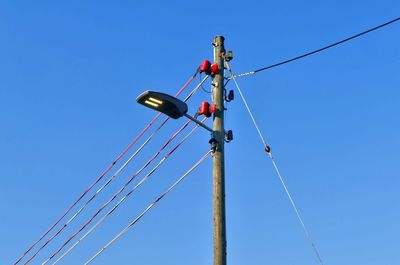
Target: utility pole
point(219, 227)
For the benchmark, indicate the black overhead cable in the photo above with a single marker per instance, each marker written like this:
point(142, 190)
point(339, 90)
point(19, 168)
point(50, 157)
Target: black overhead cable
point(321, 49)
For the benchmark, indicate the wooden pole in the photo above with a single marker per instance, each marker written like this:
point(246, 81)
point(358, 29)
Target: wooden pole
point(219, 227)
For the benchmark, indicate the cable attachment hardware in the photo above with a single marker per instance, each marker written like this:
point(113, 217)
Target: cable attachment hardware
point(230, 96)
point(267, 149)
point(229, 56)
point(213, 143)
point(228, 136)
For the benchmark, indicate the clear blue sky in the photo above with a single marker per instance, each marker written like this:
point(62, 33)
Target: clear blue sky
point(69, 75)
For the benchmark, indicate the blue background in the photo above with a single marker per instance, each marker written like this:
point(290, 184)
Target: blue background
point(69, 75)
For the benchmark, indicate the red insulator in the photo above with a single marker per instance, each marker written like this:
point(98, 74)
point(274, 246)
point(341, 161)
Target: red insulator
point(205, 66)
point(214, 69)
point(213, 108)
point(205, 109)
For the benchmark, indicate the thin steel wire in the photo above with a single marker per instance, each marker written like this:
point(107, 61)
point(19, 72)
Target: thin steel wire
point(148, 208)
point(293, 204)
point(297, 211)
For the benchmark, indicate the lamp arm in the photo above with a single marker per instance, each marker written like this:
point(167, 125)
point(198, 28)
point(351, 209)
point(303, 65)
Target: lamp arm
point(198, 122)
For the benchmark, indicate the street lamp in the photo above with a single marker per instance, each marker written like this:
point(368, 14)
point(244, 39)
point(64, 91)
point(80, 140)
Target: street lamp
point(169, 105)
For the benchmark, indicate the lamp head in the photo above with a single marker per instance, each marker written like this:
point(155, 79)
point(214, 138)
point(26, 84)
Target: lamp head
point(164, 103)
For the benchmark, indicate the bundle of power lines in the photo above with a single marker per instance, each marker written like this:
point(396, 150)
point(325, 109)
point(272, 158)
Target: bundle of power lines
point(59, 227)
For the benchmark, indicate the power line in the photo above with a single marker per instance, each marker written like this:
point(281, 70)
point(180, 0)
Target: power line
point(126, 196)
point(148, 208)
point(267, 148)
point(320, 49)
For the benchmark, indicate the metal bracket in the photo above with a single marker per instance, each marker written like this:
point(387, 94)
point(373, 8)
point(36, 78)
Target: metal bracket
point(228, 136)
point(213, 143)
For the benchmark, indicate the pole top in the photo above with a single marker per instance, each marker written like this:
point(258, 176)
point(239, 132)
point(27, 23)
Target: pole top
point(219, 41)
point(219, 36)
